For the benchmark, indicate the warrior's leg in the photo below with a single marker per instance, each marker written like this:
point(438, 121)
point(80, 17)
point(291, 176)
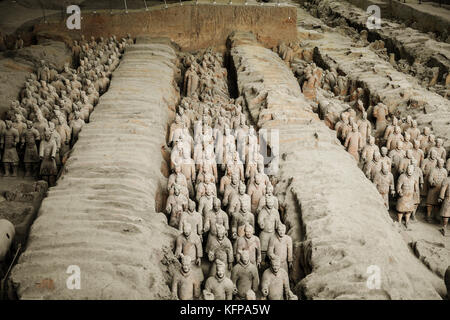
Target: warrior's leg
point(51, 181)
point(429, 209)
point(444, 225)
point(407, 215)
point(14, 169)
point(27, 169)
point(6, 167)
point(413, 215)
point(35, 169)
point(399, 217)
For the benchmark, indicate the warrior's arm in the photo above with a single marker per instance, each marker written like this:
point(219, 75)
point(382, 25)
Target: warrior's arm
point(226, 223)
point(270, 247)
point(258, 251)
point(199, 248)
point(54, 148)
point(178, 246)
point(289, 250)
point(443, 191)
point(174, 288)
point(207, 224)
point(255, 280)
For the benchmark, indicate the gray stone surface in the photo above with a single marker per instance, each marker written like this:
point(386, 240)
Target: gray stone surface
point(102, 215)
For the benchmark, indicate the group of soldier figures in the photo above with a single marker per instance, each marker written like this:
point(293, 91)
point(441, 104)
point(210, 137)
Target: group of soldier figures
point(409, 166)
point(219, 214)
point(404, 163)
point(44, 123)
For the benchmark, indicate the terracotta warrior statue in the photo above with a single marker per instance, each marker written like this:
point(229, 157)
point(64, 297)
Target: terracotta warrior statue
point(185, 283)
point(275, 282)
point(213, 218)
point(244, 276)
point(369, 150)
point(256, 191)
point(380, 112)
point(418, 174)
point(8, 143)
point(269, 194)
point(444, 198)
point(47, 154)
point(280, 245)
point(31, 156)
point(268, 221)
point(192, 217)
point(237, 199)
point(436, 178)
point(220, 248)
point(240, 218)
point(219, 286)
point(407, 186)
point(189, 244)
point(384, 182)
point(428, 164)
point(353, 142)
point(178, 201)
point(250, 243)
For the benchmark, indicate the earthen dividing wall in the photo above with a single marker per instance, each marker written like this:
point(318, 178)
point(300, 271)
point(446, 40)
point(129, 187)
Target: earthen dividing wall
point(191, 26)
point(102, 215)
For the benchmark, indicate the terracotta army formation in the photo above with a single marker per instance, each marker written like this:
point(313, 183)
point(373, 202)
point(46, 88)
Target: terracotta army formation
point(219, 195)
point(45, 122)
point(407, 164)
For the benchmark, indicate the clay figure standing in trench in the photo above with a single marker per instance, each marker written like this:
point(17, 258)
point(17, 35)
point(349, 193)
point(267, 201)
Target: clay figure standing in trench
point(47, 154)
point(407, 187)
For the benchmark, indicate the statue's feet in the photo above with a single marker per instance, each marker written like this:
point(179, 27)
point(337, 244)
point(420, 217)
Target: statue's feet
point(443, 231)
point(6, 174)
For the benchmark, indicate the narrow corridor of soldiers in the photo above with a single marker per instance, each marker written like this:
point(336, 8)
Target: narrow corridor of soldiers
point(233, 242)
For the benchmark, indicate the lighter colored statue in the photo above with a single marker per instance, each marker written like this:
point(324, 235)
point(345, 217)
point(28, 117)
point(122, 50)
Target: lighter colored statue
point(219, 286)
point(244, 276)
point(31, 156)
point(220, 248)
point(436, 178)
point(444, 198)
point(8, 143)
point(354, 143)
point(384, 182)
point(268, 221)
point(280, 245)
point(185, 283)
point(407, 186)
point(275, 282)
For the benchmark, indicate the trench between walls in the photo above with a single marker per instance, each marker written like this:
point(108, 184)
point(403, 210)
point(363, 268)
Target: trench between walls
point(289, 205)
